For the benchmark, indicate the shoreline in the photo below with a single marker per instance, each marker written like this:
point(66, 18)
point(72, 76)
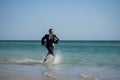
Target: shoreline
point(20, 72)
point(56, 72)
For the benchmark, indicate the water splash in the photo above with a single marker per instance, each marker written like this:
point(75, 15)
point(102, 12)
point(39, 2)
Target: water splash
point(57, 59)
point(50, 59)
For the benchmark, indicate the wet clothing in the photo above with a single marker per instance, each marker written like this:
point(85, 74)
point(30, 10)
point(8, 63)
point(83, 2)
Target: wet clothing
point(48, 41)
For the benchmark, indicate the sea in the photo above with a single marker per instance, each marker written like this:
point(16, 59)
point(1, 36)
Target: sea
point(74, 60)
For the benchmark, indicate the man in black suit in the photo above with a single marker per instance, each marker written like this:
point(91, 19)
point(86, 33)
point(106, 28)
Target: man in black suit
point(48, 41)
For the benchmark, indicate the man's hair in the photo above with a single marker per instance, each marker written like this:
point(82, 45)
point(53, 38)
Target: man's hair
point(50, 29)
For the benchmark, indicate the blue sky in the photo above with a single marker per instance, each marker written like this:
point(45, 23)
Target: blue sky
point(70, 19)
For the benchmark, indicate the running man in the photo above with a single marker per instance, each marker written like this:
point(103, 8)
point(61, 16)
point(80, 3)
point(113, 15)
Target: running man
point(48, 41)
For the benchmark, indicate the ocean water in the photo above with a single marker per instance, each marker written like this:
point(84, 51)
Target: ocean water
point(84, 60)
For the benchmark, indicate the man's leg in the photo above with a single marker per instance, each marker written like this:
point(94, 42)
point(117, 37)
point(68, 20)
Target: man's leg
point(50, 51)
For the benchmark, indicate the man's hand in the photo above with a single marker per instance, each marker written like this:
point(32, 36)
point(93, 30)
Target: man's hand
point(55, 39)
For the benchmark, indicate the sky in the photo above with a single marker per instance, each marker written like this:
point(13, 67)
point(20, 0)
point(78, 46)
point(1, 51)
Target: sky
point(70, 19)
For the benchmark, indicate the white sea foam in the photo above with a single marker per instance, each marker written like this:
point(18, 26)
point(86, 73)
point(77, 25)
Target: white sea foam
point(57, 59)
point(25, 60)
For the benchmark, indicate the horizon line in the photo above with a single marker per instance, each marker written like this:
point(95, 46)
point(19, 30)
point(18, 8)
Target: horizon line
point(61, 40)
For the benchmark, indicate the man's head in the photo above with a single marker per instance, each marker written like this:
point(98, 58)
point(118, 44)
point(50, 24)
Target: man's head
point(51, 31)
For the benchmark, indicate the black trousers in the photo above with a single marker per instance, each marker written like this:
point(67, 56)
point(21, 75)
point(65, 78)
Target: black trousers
point(50, 50)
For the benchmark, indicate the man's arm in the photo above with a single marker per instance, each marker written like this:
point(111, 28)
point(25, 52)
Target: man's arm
point(43, 41)
point(56, 39)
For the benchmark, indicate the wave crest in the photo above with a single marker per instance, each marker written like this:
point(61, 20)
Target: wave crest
point(26, 61)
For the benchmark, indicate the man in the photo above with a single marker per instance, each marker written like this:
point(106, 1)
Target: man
point(48, 41)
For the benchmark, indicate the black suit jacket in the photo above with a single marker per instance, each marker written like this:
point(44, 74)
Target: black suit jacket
point(49, 42)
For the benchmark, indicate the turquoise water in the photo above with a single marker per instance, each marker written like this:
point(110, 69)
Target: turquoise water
point(78, 56)
point(89, 53)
